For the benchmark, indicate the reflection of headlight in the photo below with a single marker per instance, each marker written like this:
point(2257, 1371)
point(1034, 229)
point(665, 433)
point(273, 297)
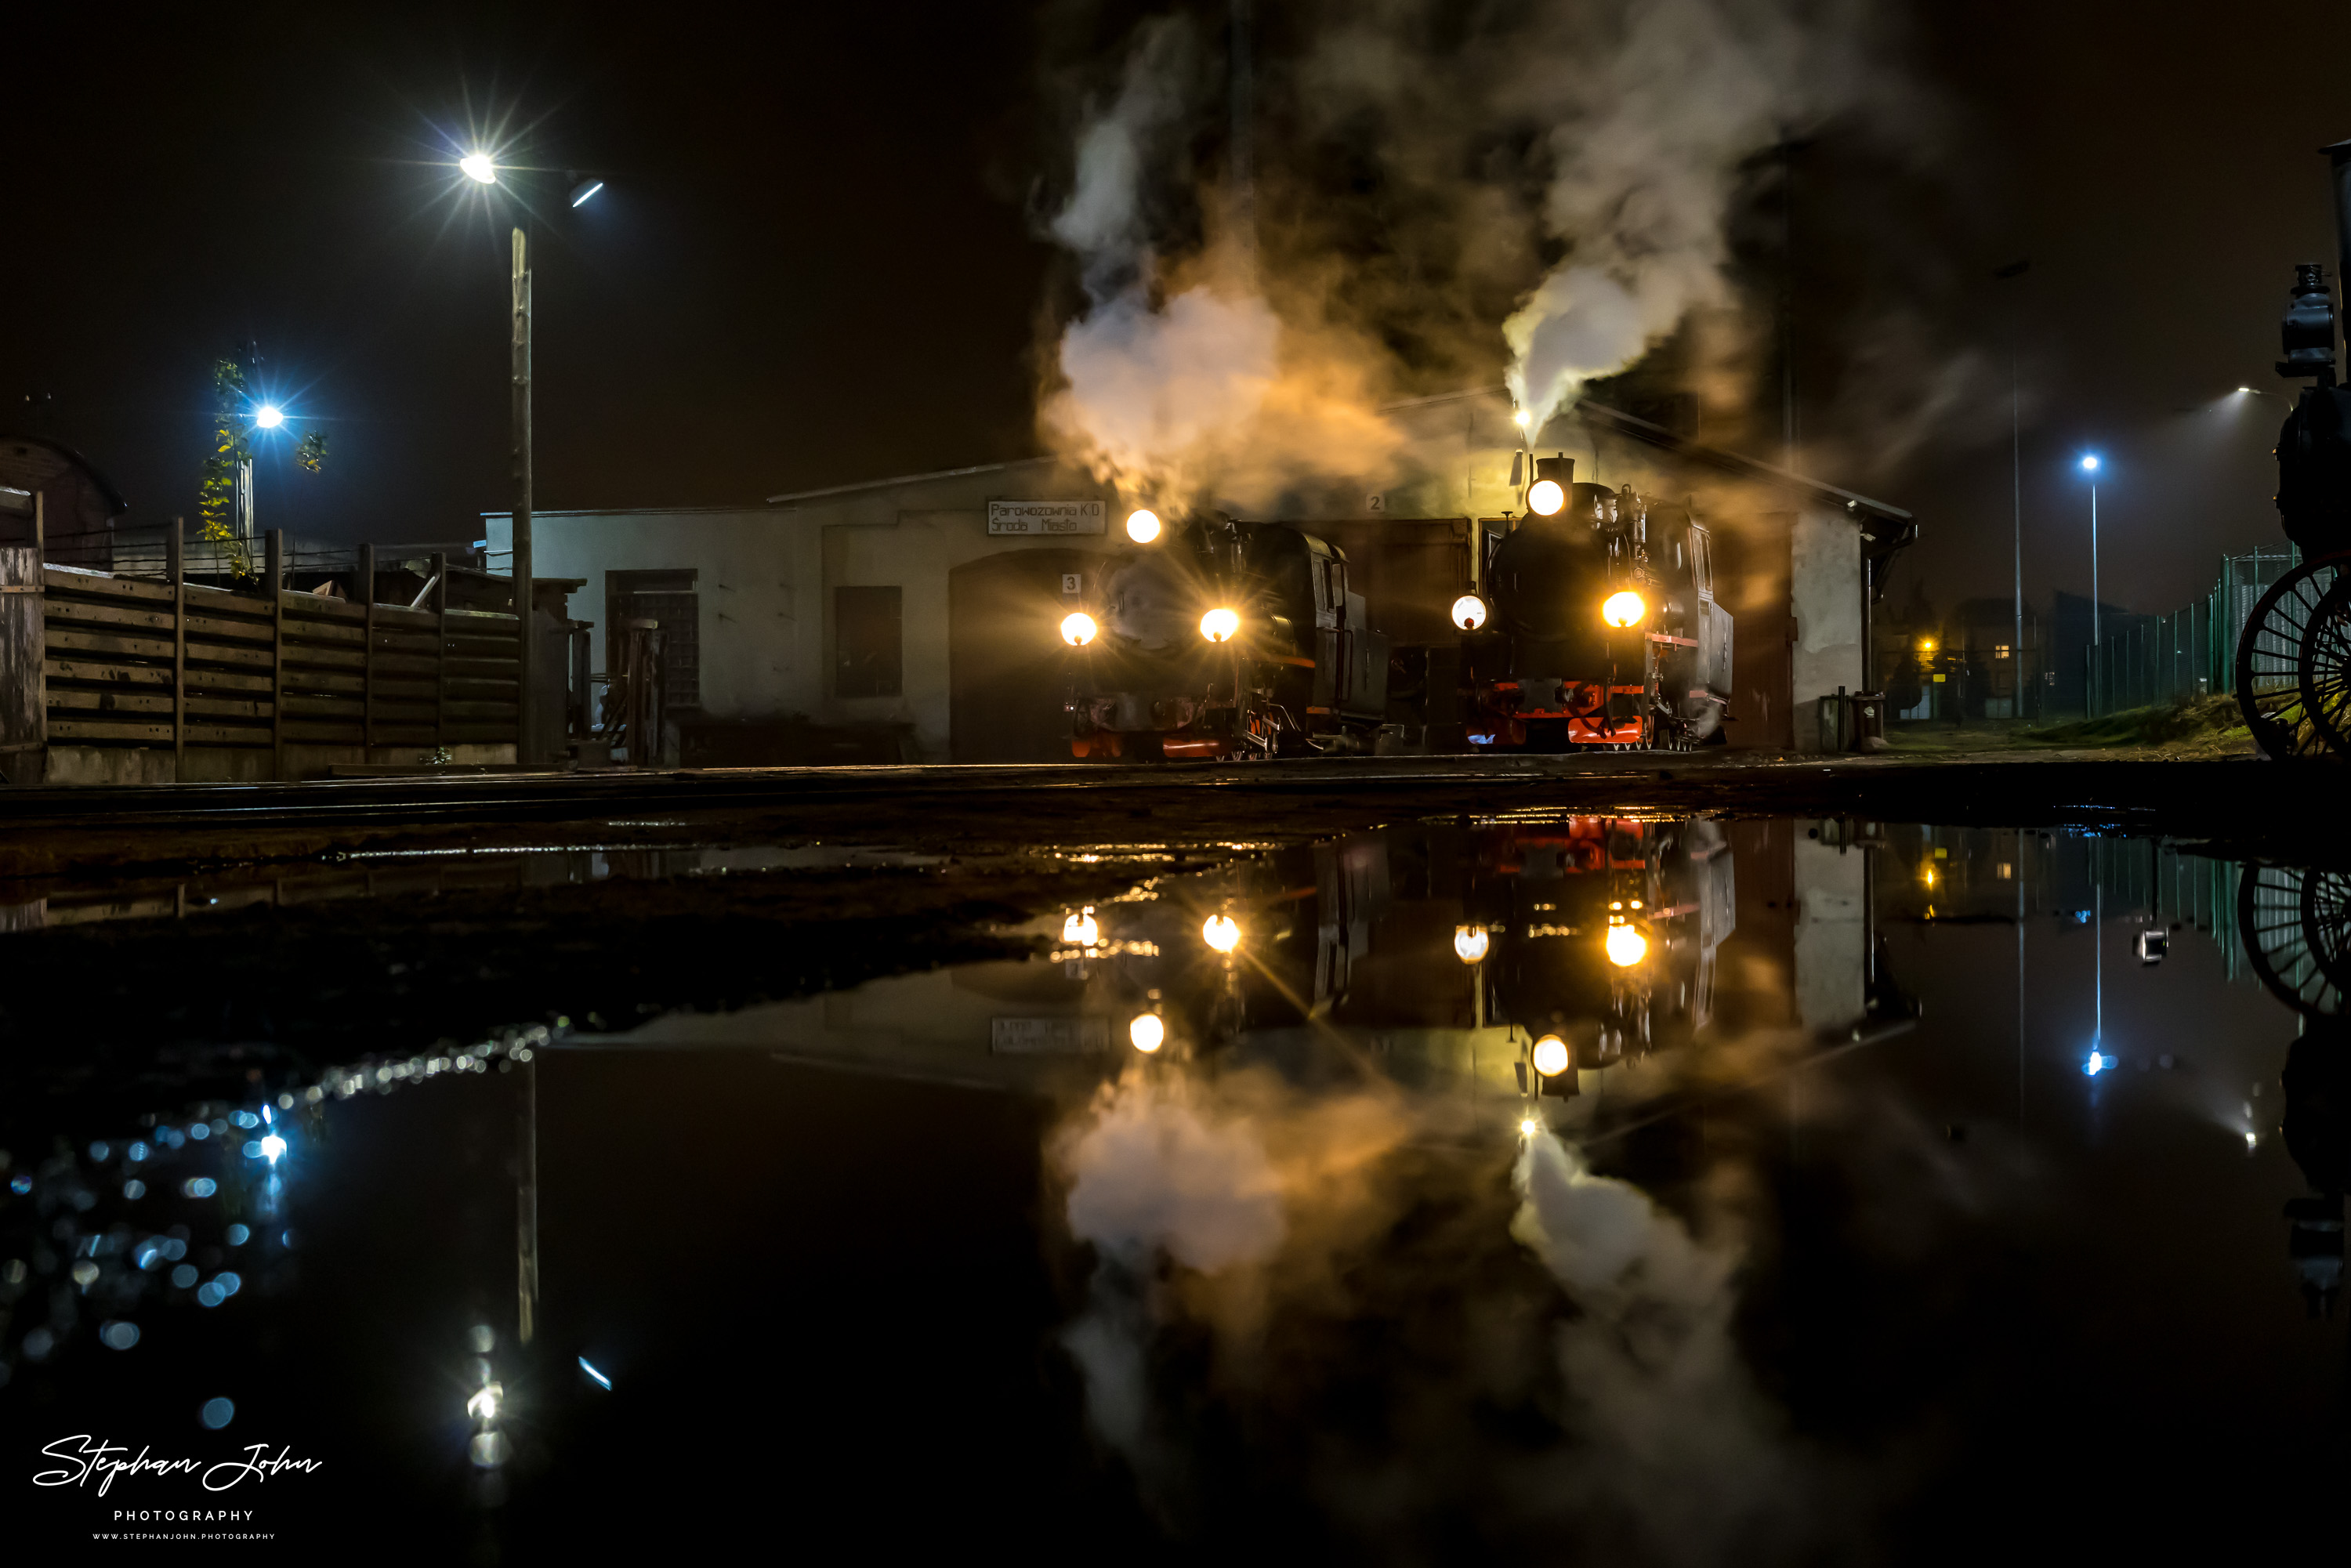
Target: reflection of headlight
point(1143, 524)
point(1623, 608)
point(1469, 943)
point(1147, 1033)
point(1221, 932)
point(1468, 613)
point(1550, 1056)
point(1627, 946)
point(1219, 624)
point(1077, 629)
point(1546, 498)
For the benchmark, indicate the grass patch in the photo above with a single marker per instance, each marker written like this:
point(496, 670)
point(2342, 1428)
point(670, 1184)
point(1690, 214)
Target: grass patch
point(2213, 722)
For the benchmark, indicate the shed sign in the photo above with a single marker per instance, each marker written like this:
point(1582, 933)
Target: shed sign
point(1034, 517)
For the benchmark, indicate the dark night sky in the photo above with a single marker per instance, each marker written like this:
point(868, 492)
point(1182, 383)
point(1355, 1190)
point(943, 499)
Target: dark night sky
point(813, 266)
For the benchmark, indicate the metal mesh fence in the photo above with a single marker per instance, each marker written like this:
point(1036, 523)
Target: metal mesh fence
point(2141, 660)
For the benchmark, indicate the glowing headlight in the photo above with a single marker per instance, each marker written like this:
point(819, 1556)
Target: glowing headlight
point(1529, 1127)
point(1219, 624)
point(1550, 1056)
point(1147, 1033)
point(1080, 930)
point(1627, 946)
point(1221, 932)
point(1469, 943)
point(1546, 498)
point(1143, 524)
point(1468, 613)
point(1623, 608)
point(1077, 629)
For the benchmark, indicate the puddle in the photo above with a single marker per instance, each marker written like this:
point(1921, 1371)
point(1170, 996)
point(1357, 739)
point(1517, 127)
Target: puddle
point(1674, 1189)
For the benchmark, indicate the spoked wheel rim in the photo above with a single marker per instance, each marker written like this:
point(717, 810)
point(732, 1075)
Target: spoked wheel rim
point(2270, 661)
point(2296, 926)
point(2326, 678)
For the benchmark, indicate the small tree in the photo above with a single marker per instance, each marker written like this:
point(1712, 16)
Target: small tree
point(231, 454)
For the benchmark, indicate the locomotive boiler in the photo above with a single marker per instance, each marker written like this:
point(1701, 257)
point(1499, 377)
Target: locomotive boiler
point(1594, 623)
point(1213, 637)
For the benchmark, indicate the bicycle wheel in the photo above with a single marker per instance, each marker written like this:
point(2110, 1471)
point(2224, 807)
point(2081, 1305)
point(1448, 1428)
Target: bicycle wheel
point(2269, 657)
point(2296, 929)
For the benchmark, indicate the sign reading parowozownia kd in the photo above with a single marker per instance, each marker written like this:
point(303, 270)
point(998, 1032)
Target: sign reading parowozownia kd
point(1044, 517)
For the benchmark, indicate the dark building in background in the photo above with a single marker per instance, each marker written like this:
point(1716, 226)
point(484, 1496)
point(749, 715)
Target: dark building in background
point(78, 505)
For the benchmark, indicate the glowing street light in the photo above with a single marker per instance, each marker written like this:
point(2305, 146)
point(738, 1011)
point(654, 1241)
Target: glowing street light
point(482, 167)
point(269, 416)
point(584, 191)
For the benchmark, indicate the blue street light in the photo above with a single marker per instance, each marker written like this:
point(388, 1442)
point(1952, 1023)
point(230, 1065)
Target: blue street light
point(268, 416)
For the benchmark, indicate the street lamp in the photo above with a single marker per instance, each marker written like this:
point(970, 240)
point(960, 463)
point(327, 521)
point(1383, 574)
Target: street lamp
point(483, 169)
point(268, 416)
point(2090, 467)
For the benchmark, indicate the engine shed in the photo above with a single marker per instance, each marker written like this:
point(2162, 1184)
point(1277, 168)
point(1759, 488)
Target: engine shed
point(910, 618)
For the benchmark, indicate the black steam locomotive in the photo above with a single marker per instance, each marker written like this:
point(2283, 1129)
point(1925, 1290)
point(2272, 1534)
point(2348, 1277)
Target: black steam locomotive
point(1216, 638)
point(1594, 623)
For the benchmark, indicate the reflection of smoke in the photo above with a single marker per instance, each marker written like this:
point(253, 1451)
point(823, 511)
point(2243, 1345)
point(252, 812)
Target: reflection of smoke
point(1677, 1437)
point(1214, 1180)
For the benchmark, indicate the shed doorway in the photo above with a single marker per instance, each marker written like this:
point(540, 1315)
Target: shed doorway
point(1006, 681)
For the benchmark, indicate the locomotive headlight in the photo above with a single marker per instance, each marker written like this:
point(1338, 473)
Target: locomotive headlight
point(1077, 629)
point(1468, 613)
point(1469, 943)
point(1147, 1032)
point(1623, 608)
point(1627, 946)
point(1546, 498)
point(1550, 1056)
point(1219, 624)
point(1143, 524)
point(1221, 932)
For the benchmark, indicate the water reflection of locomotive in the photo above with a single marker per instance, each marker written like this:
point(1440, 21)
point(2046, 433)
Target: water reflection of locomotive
point(1589, 621)
point(1596, 937)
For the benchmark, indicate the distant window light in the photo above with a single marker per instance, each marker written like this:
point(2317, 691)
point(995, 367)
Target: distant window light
point(2000, 650)
point(2006, 871)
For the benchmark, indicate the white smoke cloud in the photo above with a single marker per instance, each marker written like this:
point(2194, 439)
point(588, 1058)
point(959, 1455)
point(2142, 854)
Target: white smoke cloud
point(1665, 101)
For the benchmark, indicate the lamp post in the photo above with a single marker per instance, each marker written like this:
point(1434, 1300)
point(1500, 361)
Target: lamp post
point(2090, 467)
point(485, 170)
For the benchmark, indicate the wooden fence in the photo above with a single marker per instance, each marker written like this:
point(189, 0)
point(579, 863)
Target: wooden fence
point(142, 680)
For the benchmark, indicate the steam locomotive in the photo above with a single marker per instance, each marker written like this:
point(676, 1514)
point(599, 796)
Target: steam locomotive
point(1591, 621)
point(1595, 624)
point(1220, 638)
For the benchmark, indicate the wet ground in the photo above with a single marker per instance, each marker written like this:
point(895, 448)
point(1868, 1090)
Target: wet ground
point(1902, 1192)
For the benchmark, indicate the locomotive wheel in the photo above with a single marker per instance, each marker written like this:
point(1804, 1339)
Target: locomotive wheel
point(2325, 669)
point(2296, 926)
point(2270, 663)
